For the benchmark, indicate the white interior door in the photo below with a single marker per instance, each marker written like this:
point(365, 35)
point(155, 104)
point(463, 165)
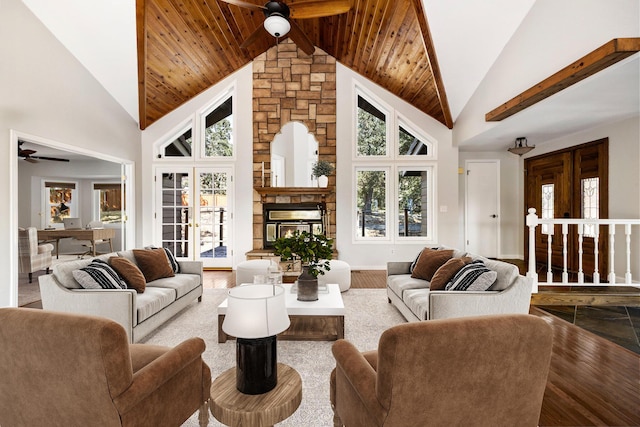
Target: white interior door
point(482, 206)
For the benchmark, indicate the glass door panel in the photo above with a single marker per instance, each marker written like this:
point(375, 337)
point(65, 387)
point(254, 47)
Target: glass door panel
point(175, 211)
point(214, 232)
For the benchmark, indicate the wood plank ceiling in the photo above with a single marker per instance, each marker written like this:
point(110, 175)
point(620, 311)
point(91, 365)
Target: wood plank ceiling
point(186, 46)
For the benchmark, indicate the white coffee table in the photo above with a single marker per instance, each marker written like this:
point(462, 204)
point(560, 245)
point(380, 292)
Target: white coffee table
point(321, 320)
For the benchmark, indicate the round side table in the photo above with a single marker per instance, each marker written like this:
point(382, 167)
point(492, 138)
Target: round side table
point(233, 408)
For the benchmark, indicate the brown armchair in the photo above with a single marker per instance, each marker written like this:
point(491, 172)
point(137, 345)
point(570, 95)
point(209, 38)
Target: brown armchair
point(480, 371)
point(32, 256)
point(62, 369)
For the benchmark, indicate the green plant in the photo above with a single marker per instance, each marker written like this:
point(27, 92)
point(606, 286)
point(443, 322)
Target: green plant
point(322, 167)
point(313, 250)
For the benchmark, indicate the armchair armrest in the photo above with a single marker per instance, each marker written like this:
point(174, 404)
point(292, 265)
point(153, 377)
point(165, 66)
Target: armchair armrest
point(151, 377)
point(360, 375)
point(398, 267)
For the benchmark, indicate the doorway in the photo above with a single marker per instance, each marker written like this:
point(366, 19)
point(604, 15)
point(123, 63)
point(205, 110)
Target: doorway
point(194, 213)
point(482, 205)
point(570, 183)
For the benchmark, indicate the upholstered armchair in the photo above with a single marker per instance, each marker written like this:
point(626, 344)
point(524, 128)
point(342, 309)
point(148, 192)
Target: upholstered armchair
point(32, 256)
point(480, 371)
point(61, 369)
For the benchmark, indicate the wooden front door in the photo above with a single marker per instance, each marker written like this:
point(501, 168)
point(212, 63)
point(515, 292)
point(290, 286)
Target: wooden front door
point(570, 183)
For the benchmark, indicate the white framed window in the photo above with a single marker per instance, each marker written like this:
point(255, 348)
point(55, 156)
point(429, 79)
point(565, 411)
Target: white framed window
point(108, 202)
point(372, 128)
point(371, 202)
point(179, 145)
point(60, 201)
point(393, 176)
point(216, 128)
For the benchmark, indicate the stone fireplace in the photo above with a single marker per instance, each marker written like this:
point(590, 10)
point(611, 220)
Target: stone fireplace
point(289, 85)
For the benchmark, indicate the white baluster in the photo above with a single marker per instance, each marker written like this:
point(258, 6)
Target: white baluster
point(532, 223)
point(612, 251)
point(627, 275)
point(565, 253)
point(549, 272)
point(596, 253)
point(580, 239)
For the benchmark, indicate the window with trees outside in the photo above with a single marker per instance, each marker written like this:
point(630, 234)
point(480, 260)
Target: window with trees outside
point(60, 202)
point(393, 176)
point(218, 130)
point(108, 202)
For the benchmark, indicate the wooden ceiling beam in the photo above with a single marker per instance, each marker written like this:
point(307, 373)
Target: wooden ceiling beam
point(433, 61)
point(601, 58)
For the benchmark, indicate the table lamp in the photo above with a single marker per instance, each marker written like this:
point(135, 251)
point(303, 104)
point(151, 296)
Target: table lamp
point(255, 314)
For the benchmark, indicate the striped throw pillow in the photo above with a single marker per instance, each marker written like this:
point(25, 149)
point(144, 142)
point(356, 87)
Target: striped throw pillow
point(474, 276)
point(98, 275)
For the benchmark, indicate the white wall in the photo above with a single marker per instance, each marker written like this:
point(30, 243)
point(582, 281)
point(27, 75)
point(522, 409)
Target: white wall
point(375, 255)
point(572, 28)
point(47, 93)
point(243, 120)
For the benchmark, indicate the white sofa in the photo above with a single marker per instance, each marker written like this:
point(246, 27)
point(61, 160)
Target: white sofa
point(511, 293)
point(138, 313)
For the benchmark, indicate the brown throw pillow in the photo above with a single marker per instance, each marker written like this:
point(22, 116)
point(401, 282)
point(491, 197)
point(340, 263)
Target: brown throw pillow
point(446, 272)
point(129, 272)
point(429, 262)
point(153, 263)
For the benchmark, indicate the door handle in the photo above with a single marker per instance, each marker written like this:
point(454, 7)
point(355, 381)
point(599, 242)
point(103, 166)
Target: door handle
point(494, 216)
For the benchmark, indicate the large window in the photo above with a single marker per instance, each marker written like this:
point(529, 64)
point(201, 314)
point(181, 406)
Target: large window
point(393, 176)
point(218, 131)
point(108, 198)
point(60, 202)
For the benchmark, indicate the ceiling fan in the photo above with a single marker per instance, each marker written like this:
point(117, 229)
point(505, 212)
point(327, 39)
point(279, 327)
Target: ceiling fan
point(28, 155)
point(278, 17)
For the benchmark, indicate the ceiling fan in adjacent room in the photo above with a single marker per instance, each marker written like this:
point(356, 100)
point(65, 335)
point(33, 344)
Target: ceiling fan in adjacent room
point(278, 17)
point(28, 155)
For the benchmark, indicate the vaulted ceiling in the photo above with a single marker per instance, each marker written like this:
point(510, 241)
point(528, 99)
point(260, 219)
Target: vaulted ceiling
point(185, 46)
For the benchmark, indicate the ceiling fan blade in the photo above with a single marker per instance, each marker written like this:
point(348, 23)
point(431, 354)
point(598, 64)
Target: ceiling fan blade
point(300, 39)
point(26, 152)
point(318, 8)
point(56, 159)
point(260, 31)
point(245, 4)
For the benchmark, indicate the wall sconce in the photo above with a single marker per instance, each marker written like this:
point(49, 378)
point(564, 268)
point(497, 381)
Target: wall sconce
point(255, 315)
point(521, 147)
point(277, 25)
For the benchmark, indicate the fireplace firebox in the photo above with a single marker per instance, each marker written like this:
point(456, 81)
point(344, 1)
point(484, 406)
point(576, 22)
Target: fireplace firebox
point(283, 219)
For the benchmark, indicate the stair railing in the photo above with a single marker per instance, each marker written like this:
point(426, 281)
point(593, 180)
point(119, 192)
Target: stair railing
point(534, 221)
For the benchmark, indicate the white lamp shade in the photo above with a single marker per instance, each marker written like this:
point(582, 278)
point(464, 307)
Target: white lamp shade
point(255, 311)
point(277, 25)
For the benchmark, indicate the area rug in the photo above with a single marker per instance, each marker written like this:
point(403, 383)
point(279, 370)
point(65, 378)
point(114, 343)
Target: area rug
point(368, 314)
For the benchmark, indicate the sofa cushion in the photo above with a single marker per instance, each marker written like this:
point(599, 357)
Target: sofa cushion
point(429, 262)
point(181, 283)
point(153, 263)
point(152, 301)
point(129, 272)
point(63, 272)
point(446, 272)
point(507, 274)
point(474, 276)
point(418, 302)
point(98, 275)
point(399, 283)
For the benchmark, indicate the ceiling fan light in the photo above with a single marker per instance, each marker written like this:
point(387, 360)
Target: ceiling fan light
point(277, 25)
point(520, 149)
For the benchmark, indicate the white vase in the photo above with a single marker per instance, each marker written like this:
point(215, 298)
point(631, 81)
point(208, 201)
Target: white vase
point(323, 181)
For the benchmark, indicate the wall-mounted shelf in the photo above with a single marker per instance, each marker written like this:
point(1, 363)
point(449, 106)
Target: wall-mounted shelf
point(293, 191)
